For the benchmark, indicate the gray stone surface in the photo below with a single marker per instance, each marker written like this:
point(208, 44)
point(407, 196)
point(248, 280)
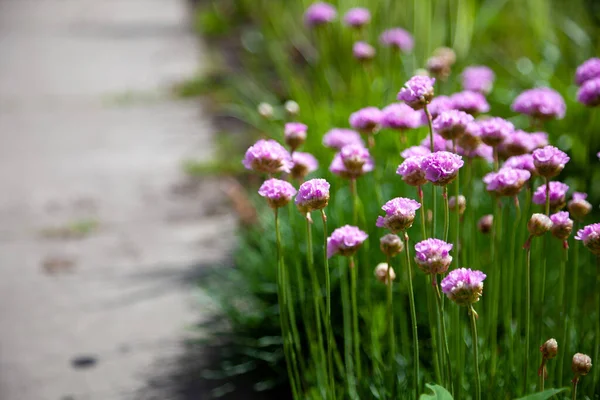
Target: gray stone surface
point(91, 141)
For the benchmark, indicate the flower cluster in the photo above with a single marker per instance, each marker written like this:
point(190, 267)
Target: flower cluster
point(549, 161)
point(399, 214)
point(417, 92)
point(357, 17)
point(319, 13)
point(463, 286)
point(470, 102)
point(366, 120)
point(345, 241)
point(433, 256)
point(352, 162)
point(507, 181)
point(590, 236)
point(267, 156)
point(312, 195)
point(557, 190)
point(495, 130)
point(397, 38)
point(400, 116)
point(478, 79)
point(441, 167)
point(303, 164)
point(541, 103)
point(337, 138)
point(277, 192)
point(452, 124)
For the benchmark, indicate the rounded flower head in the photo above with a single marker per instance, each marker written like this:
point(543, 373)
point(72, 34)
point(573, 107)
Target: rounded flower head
point(590, 69)
point(312, 195)
point(363, 51)
point(507, 181)
point(397, 38)
point(524, 161)
point(589, 93)
point(579, 207)
point(452, 124)
point(516, 144)
point(366, 120)
point(400, 116)
point(440, 67)
point(471, 137)
point(540, 103)
point(581, 365)
point(458, 204)
point(399, 214)
point(391, 245)
point(463, 286)
point(382, 271)
point(590, 236)
point(539, 139)
point(411, 171)
point(485, 223)
point(549, 161)
point(267, 156)
point(549, 349)
point(441, 167)
point(446, 53)
point(558, 191)
point(357, 17)
point(352, 162)
point(417, 92)
point(291, 108)
point(295, 134)
point(265, 110)
point(337, 138)
point(415, 151)
point(319, 13)
point(439, 143)
point(277, 192)
point(562, 225)
point(539, 224)
point(345, 241)
point(304, 164)
point(495, 130)
point(470, 102)
point(478, 79)
point(433, 256)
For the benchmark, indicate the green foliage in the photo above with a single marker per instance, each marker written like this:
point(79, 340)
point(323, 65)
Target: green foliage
point(437, 393)
point(546, 394)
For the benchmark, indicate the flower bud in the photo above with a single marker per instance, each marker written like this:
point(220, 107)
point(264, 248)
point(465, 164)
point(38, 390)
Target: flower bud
point(381, 273)
point(539, 224)
point(295, 134)
point(265, 110)
point(391, 245)
point(549, 349)
point(581, 365)
point(439, 67)
point(485, 223)
point(579, 207)
point(446, 53)
point(461, 205)
point(291, 108)
point(562, 225)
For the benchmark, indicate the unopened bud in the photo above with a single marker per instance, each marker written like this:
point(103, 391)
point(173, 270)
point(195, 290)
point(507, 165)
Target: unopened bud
point(439, 67)
point(265, 110)
point(462, 204)
point(391, 245)
point(549, 349)
point(485, 223)
point(581, 365)
point(539, 224)
point(382, 271)
point(292, 108)
point(579, 207)
point(446, 53)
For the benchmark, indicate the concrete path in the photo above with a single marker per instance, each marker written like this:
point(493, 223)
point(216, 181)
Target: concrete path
point(101, 239)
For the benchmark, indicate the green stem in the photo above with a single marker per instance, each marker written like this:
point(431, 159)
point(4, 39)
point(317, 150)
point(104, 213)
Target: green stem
point(457, 245)
point(328, 328)
point(356, 332)
point(444, 338)
point(446, 213)
point(390, 318)
point(354, 201)
point(547, 196)
point(350, 378)
point(542, 379)
point(527, 317)
point(597, 340)
point(575, 287)
point(413, 317)
point(473, 316)
point(562, 311)
point(433, 190)
point(574, 396)
point(422, 212)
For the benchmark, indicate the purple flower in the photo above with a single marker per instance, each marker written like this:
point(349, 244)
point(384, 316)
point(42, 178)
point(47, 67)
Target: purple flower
point(304, 164)
point(399, 214)
point(441, 167)
point(470, 102)
point(400, 116)
point(312, 195)
point(357, 17)
point(345, 240)
point(507, 181)
point(558, 191)
point(352, 162)
point(452, 124)
point(495, 130)
point(478, 79)
point(397, 38)
point(366, 120)
point(562, 226)
point(363, 51)
point(541, 103)
point(267, 156)
point(439, 66)
point(539, 139)
point(319, 13)
point(579, 207)
point(471, 138)
point(277, 192)
point(438, 105)
point(590, 69)
point(515, 144)
point(589, 93)
point(439, 143)
point(524, 161)
point(411, 171)
point(337, 138)
point(415, 151)
point(590, 236)
point(295, 134)
point(417, 92)
point(433, 256)
point(463, 286)
point(549, 161)
point(482, 151)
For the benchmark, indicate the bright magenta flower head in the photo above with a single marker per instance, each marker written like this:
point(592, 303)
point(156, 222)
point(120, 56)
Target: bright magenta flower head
point(540, 103)
point(471, 138)
point(352, 162)
point(304, 164)
point(589, 93)
point(579, 207)
point(452, 124)
point(558, 191)
point(415, 151)
point(337, 138)
point(366, 120)
point(357, 17)
point(399, 214)
point(417, 91)
point(319, 13)
point(400, 116)
point(495, 130)
point(277, 192)
point(540, 139)
point(345, 241)
point(441, 167)
point(516, 144)
point(478, 78)
point(295, 134)
point(470, 102)
point(397, 38)
point(312, 195)
point(524, 161)
point(562, 226)
point(433, 256)
point(463, 286)
point(267, 156)
point(507, 181)
point(590, 69)
point(363, 51)
point(590, 236)
point(411, 171)
point(549, 161)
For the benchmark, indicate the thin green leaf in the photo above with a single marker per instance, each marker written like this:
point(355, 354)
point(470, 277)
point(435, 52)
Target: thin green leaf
point(438, 393)
point(546, 394)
